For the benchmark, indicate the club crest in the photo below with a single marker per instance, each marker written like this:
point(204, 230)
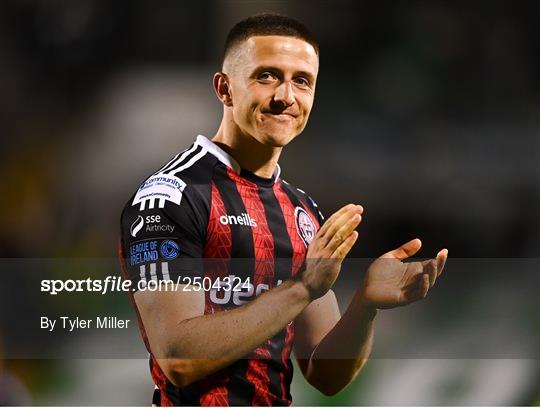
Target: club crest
point(304, 225)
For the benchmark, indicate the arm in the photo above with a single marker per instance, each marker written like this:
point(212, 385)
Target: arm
point(189, 345)
point(332, 351)
point(183, 339)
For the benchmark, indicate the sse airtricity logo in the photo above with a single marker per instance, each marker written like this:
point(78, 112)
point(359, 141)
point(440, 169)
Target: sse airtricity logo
point(304, 225)
point(169, 249)
point(136, 226)
point(153, 224)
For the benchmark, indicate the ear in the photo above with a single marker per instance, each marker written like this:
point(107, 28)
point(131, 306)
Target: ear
point(222, 88)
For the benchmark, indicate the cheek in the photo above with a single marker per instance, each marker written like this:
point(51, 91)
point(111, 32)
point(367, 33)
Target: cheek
point(242, 108)
point(246, 103)
point(306, 104)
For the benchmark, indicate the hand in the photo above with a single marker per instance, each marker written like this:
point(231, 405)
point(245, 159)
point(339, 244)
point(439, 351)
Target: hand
point(328, 249)
point(390, 283)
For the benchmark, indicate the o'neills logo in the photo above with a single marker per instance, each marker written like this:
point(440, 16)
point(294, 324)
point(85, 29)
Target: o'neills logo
point(242, 219)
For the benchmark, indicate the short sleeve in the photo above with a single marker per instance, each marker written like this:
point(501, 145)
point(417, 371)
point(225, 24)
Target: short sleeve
point(316, 210)
point(165, 242)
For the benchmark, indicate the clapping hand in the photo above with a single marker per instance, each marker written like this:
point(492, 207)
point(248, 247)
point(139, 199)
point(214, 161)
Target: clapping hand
point(390, 283)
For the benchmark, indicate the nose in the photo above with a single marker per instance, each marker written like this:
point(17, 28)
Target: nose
point(284, 94)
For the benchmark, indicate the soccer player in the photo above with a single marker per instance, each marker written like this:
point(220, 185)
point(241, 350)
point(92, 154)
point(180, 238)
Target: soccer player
point(225, 336)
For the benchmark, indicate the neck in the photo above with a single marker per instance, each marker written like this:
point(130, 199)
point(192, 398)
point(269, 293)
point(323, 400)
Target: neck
point(247, 151)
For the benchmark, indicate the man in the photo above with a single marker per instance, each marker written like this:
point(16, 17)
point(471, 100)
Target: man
point(229, 343)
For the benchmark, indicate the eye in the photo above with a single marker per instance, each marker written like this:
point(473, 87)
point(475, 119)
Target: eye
point(266, 76)
point(302, 81)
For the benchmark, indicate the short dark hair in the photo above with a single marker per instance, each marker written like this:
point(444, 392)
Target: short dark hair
point(268, 24)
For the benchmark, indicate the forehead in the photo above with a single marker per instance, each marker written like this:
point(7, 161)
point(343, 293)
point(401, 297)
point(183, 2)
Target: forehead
point(288, 53)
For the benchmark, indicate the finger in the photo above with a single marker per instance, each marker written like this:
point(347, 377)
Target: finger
point(343, 233)
point(336, 225)
point(342, 250)
point(338, 218)
point(404, 251)
point(431, 270)
point(416, 269)
point(416, 289)
point(424, 286)
point(330, 220)
point(441, 260)
point(429, 266)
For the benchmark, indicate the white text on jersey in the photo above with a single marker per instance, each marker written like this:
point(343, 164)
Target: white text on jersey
point(242, 219)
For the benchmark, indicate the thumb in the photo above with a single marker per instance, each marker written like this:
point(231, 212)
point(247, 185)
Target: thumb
point(404, 251)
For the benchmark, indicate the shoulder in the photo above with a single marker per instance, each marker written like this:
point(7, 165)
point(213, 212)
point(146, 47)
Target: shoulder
point(184, 177)
point(177, 193)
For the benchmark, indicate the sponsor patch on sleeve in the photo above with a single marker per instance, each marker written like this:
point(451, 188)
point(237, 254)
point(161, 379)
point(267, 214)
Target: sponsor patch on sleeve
point(159, 188)
point(152, 250)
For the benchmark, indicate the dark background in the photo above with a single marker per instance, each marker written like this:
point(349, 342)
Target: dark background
point(427, 114)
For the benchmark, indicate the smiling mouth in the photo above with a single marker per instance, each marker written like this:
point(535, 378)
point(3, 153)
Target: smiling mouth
point(281, 116)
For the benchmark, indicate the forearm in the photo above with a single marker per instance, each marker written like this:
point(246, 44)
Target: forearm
point(202, 345)
point(343, 351)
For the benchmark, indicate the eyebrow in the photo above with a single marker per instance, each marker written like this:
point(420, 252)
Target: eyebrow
point(271, 68)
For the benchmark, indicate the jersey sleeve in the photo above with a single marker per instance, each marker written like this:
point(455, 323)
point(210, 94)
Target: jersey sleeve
point(163, 240)
point(316, 210)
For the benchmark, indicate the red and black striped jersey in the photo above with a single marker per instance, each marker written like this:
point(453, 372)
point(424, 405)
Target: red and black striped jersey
point(202, 219)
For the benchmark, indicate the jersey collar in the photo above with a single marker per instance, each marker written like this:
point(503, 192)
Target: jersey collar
point(225, 157)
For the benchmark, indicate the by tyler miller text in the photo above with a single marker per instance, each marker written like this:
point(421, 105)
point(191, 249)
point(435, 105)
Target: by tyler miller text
point(76, 323)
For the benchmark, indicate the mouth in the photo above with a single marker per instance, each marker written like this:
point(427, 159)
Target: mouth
point(280, 115)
